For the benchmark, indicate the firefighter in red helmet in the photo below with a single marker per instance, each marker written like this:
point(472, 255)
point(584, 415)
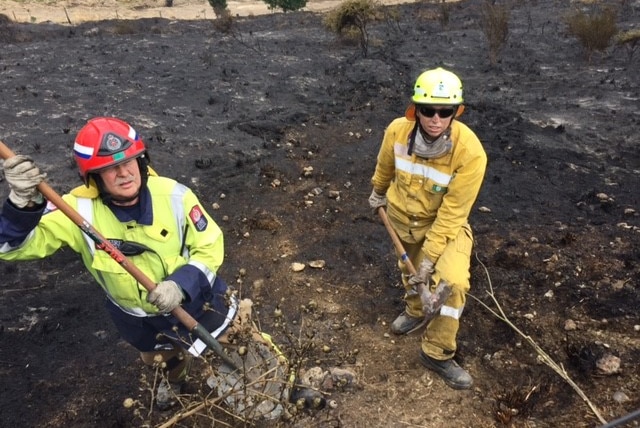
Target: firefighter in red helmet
point(158, 224)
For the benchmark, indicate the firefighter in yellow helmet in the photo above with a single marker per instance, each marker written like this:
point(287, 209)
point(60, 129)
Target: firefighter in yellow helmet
point(429, 171)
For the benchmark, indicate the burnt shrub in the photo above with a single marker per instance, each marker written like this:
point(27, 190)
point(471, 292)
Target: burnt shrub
point(594, 29)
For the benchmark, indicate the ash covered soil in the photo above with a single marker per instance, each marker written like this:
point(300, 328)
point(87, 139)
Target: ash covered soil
point(276, 126)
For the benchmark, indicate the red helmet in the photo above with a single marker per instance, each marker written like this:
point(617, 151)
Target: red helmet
point(105, 142)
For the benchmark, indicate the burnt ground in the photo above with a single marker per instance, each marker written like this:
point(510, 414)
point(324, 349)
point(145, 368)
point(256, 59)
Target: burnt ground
point(279, 123)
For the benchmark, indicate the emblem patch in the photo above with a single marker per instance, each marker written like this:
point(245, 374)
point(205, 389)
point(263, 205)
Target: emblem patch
point(113, 143)
point(197, 217)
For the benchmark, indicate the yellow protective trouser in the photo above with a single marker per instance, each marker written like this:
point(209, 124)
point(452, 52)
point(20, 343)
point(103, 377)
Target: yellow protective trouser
point(439, 338)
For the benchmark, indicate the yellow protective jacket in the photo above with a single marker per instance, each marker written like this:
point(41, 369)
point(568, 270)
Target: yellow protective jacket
point(430, 198)
point(183, 242)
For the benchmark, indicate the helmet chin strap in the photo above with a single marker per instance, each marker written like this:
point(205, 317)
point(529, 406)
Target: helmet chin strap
point(423, 147)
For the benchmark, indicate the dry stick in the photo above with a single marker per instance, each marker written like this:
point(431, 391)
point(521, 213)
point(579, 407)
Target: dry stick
point(544, 356)
point(182, 415)
point(67, 14)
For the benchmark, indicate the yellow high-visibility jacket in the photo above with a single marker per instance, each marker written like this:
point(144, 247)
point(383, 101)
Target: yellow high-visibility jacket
point(429, 198)
point(182, 243)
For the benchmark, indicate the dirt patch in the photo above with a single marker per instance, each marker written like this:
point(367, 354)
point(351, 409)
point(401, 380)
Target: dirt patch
point(278, 123)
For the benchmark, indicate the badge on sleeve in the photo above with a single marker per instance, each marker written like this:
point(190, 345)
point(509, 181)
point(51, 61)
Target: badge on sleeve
point(197, 217)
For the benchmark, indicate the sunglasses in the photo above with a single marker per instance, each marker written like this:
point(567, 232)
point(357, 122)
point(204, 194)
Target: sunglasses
point(442, 113)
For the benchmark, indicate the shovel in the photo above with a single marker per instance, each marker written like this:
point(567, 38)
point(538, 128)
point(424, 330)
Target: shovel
point(103, 244)
point(431, 302)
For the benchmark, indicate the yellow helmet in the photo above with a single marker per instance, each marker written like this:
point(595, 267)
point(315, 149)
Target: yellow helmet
point(438, 86)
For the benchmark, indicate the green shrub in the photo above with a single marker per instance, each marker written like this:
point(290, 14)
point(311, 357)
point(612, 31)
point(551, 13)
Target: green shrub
point(352, 15)
point(286, 5)
point(494, 21)
point(593, 30)
point(219, 7)
point(224, 21)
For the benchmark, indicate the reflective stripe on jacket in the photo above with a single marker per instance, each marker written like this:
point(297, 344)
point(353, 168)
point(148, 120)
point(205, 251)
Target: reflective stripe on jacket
point(183, 242)
point(429, 198)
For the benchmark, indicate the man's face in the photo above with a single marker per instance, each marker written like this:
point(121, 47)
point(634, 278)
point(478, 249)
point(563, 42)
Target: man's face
point(432, 120)
point(123, 182)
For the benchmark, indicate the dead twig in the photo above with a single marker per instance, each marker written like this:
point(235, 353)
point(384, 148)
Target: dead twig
point(559, 369)
point(183, 415)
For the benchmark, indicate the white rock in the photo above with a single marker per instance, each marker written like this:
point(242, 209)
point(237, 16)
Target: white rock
point(620, 397)
point(297, 267)
point(570, 325)
point(608, 365)
point(317, 264)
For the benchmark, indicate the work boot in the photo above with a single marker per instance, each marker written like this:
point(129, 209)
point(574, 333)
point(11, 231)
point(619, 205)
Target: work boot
point(453, 375)
point(167, 394)
point(404, 323)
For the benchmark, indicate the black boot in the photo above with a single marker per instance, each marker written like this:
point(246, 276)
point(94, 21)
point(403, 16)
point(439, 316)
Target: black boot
point(453, 375)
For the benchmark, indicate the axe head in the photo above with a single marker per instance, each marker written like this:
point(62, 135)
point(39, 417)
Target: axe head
point(433, 301)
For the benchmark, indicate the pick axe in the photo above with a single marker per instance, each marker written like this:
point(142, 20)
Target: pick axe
point(103, 244)
point(431, 302)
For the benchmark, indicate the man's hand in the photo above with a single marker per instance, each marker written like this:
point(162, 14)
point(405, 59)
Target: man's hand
point(376, 200)
point(166, 296)
point(23, 177)
point(423, 274)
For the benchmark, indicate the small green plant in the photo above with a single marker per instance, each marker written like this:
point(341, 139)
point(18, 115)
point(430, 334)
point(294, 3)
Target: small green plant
point(352, 15)
point(630, 40)
point(593, 30)
point(286, 5)
point(494, 21)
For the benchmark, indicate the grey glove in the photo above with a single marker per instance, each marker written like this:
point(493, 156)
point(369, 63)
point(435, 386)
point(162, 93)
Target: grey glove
point(423, 274)
point(166, 296)
point(23, 177)
point(376, 200)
